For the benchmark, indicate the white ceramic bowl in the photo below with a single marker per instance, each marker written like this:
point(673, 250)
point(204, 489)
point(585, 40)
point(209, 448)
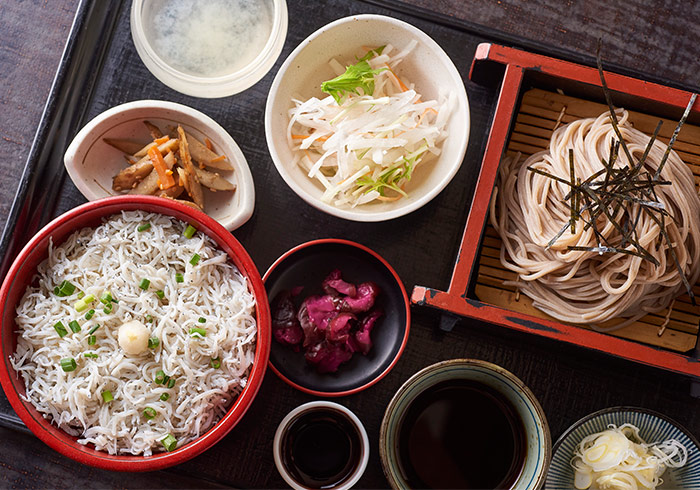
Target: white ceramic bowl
point(262, 55)
point(91, 163)
point(294, 415)
point(428, 67)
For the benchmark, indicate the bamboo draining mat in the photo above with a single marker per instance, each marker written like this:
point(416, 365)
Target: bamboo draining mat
point(539, 112)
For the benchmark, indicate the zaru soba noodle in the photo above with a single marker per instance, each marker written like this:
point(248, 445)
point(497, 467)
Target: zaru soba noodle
point(582, 286)
point(156, 336)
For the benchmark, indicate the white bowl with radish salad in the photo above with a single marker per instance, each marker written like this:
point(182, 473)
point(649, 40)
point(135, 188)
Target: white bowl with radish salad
point(367, 119)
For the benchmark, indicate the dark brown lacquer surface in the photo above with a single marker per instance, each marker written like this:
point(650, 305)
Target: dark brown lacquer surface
point(655, 40)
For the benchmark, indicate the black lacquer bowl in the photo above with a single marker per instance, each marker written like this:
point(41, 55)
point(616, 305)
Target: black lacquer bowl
point(308, 265)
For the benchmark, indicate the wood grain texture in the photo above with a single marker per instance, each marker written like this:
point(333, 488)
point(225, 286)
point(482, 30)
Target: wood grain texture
point(569, 382)
point(32, 36)
point(657, 37)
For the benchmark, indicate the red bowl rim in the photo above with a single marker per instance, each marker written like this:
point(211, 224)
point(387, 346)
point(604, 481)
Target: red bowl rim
point(407, 305)
point(47, 432)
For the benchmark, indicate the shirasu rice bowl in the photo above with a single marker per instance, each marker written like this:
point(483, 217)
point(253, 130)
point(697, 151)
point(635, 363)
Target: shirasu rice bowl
point(182, 292)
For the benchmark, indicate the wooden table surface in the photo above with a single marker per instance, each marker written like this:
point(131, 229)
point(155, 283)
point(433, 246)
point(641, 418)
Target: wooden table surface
point(654, 37)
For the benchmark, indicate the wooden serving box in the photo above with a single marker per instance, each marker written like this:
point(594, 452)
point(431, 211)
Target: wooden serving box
point(538, 93)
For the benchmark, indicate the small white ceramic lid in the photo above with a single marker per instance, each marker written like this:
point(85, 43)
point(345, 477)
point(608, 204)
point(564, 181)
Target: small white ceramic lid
point(263, 52)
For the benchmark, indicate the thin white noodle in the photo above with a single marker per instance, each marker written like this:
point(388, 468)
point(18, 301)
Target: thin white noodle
point(116, 257)
point(582, 286)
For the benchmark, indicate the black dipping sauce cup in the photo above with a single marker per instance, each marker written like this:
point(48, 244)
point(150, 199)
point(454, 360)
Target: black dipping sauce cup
point(321, 445)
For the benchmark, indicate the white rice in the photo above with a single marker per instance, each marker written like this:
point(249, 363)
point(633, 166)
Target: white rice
point(116, 257)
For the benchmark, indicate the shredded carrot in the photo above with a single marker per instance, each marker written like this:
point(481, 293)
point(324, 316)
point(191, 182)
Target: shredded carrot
point(219, 158)
point(161, 167)
point(304, 136)
point(209, 144)
point(397, 79)
point(160, 141)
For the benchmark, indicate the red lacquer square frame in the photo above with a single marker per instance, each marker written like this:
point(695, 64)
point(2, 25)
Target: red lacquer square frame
point(512, 67)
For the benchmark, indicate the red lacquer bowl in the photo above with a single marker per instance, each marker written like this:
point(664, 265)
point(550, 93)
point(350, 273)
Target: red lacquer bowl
point(20, 275)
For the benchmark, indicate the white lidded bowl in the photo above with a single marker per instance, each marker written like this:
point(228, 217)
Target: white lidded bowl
point(428, 67)
point(91, 163)
point(181, 69)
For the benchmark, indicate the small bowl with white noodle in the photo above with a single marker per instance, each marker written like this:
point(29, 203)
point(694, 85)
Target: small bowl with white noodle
point(135, 332)
point(625, 447)
point(381, 147)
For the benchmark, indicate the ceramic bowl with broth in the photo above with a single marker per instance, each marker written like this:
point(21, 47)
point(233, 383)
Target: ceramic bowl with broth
point(428, 67)
point(465, 423)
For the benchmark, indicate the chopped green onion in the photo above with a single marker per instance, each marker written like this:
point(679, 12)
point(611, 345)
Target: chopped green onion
point(82, 304)
point(108, 308)
point(56, 291)
point(195, 259)
point(107, 396)
point(89, 314)
point(144, 227)
point(149, 412)
point(202, 320)
point(74, 325)
point(160, 377)
point(189, 231)
point(93, 329)
point(92, 340)
point(106, 297)
point(65, 289)
point(81, 294)
point(149, 318)
point(60, 329)
point(166, 379)
point(153, 342)
point(171, 382)
point(68, 364)
point(169, 442)
point(90, 355)
point(144, 284)
point(197, 332)
point(160, 294)
point(165, 397)
point(215, 362)
point(179, 278)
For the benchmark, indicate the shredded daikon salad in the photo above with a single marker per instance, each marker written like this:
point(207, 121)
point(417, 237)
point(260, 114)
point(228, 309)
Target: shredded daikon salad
point(364, 140)
point(618, 459)
point(136, 336)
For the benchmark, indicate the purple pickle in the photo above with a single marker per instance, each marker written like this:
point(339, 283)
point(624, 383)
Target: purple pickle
point(331, 327)
point(285, 326)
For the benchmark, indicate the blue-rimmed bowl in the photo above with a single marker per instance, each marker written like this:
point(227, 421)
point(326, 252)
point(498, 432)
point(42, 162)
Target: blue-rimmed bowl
point(653, 427)
point(537, 437)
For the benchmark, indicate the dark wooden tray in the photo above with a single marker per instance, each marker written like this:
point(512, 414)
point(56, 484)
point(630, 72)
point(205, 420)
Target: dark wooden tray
point(100, 68)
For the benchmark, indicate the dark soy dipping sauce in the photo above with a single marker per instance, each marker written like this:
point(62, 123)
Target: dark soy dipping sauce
point(461, 434)
point(321, 448)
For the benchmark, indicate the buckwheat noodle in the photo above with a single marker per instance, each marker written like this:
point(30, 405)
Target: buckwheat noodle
point(529, 209)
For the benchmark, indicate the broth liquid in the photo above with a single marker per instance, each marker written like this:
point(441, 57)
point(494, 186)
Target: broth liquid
point(461, 434)
point(321, 448)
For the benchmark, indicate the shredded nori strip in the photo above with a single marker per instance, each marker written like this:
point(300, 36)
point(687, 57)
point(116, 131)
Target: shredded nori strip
point(622, 196)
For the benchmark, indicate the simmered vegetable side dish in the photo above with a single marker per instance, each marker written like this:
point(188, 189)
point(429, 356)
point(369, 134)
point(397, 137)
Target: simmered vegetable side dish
point(175, 165)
